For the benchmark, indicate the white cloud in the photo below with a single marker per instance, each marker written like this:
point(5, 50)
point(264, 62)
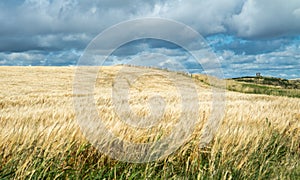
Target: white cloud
point(21, 58)
point(207, 17)
point(46, 31)
point(267, 18)
point(39, 58)
point(296, 12)
point(246, 18)
point(284, 61)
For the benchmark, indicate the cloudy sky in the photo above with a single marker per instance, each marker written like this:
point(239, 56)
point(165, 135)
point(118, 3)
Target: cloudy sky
point(248, 36)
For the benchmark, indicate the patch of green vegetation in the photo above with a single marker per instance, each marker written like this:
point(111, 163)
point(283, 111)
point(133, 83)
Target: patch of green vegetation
point(247, 86)
point(271, 81)
point(260, 89)
point(277, 157)
point(259, 85)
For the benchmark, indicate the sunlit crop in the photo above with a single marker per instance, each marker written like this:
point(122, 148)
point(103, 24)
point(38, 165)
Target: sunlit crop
point(39, 137)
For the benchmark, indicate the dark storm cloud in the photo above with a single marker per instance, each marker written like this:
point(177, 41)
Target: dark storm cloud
point(70, 16)
point(250, 19)
point(244, 33)
point(42, 24)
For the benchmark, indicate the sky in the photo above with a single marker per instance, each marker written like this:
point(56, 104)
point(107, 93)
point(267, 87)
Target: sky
point(247, 36)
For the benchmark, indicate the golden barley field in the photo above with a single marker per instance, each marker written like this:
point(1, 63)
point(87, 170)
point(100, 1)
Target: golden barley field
point(259, 137)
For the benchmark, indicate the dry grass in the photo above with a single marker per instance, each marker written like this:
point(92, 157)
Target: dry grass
point(39, 137)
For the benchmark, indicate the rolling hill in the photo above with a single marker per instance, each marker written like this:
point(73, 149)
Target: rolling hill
point(271, 81)
point(40, 137)
point(259, 85)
